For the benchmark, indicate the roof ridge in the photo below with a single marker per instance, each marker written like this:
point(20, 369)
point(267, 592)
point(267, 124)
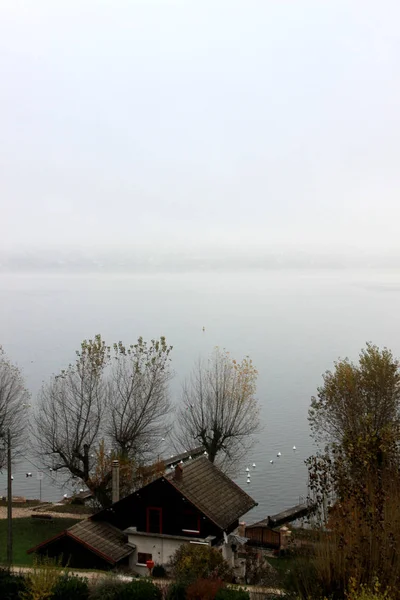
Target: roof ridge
point(224, 477)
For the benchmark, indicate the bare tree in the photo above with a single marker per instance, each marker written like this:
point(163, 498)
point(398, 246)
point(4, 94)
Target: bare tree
point(14, 399)
point(70, 412)
point(139, 402)
point(219, 409)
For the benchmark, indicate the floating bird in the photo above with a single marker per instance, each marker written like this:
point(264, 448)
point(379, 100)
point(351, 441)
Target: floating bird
point(279, 454)
point(294, 448)
point(205, 453)
point(247, 469)
point(272, 462)
point(204, 328)
point(81, 490)
point(248, 481)
point(181, 462)
point(190, 458)
point(50, 469)
point(29, 474)
point(12, 476)
point(65, 495)
point(163, 439)
point(254, 465)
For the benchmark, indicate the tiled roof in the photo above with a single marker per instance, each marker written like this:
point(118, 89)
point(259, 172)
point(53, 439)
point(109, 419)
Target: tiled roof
point(103, 538)
point(212, 492)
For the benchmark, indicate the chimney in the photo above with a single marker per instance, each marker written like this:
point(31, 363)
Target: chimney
point(241, 529)
point(178, 473)
point(115, 481)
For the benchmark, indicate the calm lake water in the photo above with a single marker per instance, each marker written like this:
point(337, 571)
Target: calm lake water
point(293, 324)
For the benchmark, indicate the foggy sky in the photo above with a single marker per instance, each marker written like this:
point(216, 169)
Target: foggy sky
point(199, 124)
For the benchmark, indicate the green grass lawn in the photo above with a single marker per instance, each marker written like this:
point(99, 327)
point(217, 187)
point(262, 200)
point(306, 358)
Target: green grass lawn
point(28, 533)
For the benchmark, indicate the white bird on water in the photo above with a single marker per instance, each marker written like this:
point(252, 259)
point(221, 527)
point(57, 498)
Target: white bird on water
point(294, 448)
point(254, 465)
point(272, 462)
point(247, 469)
point(279, 454)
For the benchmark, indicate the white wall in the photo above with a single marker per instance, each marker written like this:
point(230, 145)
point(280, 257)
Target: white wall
point(161, 549)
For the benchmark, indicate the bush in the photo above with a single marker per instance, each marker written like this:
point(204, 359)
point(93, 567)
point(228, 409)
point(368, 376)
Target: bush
point(232, 594)
point(11, 585)
point(204, 589)
point(193, 561)
point(70, 588)
point(141, 589)
point(107, 589)
point(159, 571)
point(176, 591)
point(364, 592)
point(41, 579)
point(260, 572)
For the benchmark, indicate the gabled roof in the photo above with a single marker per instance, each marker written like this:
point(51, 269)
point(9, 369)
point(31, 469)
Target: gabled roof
point(99, 537)
point(212, 492)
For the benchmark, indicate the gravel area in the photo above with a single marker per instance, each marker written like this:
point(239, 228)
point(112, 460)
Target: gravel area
point(27, 512)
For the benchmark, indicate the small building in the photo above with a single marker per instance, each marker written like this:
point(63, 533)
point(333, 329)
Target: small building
point(195, 503)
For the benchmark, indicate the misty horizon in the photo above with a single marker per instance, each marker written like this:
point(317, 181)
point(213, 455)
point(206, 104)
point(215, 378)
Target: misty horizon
point(143, 260)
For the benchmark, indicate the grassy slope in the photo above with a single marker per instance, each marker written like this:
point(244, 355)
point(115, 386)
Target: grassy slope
point(28, 533)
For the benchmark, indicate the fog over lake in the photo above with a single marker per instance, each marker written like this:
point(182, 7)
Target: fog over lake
point(167, 166)
point(293, 324)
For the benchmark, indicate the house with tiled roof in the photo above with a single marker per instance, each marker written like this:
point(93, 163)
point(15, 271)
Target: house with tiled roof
point(195, 503)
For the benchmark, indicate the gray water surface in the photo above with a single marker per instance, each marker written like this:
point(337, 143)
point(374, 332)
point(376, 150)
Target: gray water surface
point(293, 324)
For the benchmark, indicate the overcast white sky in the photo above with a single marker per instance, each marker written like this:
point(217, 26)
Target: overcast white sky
point(199, 122)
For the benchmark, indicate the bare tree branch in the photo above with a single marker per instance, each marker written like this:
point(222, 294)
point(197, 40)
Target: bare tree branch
point(14, 399)
point(139, 399)
point(69, 416)
point(219, 409)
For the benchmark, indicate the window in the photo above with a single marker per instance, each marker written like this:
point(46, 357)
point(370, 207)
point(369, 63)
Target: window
point(191, 522)
point(154, 519)
point(142, 558)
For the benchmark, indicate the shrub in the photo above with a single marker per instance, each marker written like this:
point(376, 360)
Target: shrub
point(259, 571)
point(204, 589)
point(193, 561)
point(141, 589)
point(11, 585)
point(159, 571)
point(226, 593)
point(41, 579)
point(70, 588)
point(364, 592)
point(176, 591)
point(107, 589)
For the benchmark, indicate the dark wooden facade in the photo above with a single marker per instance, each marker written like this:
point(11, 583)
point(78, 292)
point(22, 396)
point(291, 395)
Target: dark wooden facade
point(196, 500)
point(263, 536)
point(160, 508)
